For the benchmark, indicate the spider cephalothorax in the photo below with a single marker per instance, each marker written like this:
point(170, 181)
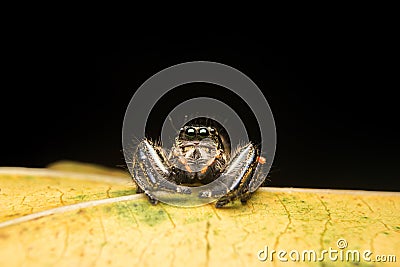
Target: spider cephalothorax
point(197, 156)
point(200, 155)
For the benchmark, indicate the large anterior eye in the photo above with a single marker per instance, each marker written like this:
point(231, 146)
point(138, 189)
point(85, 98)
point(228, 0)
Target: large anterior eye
point(203, 132)
point(190, 132)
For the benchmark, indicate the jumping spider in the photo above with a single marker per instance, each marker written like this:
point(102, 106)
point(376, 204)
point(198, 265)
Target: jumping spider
point(200, 155)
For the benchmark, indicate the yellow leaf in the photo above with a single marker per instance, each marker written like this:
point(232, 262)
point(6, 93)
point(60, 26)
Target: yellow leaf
point(76, 218)
point(73, 166)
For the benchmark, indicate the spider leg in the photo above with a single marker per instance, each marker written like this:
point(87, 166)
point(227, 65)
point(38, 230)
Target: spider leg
point(151, 199)
point(242, 168)
point(138, 172)
point(152, 173)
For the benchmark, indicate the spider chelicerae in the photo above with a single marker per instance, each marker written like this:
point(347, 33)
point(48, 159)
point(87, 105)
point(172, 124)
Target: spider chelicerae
point(200, 154)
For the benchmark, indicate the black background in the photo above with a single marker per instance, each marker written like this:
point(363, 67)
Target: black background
point(334, 102)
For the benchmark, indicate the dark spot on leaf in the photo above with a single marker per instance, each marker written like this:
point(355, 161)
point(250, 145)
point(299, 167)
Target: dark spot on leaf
point(3, 236)
point(81, 211)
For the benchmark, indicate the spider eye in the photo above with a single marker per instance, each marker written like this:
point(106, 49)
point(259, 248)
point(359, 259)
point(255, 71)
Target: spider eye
point(203, 132)
point(190, 132)
point(212, 131)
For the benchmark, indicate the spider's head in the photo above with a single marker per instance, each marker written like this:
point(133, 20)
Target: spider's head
point(198, 144)
point(194, 134)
